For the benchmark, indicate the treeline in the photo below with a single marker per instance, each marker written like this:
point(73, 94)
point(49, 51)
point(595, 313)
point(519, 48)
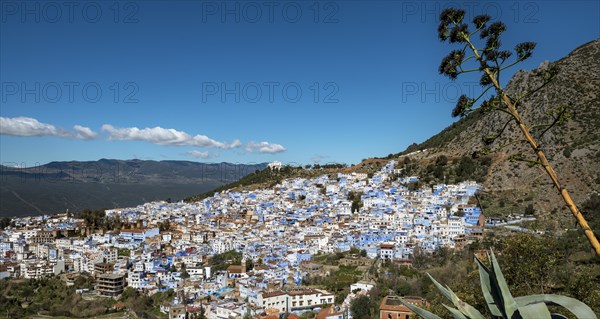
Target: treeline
point(326, 166)
point(97, 220)
point(445, 170)
point(268, 176)
point(258, 177)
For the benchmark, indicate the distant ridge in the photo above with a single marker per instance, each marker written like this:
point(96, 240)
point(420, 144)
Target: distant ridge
point(108, 183)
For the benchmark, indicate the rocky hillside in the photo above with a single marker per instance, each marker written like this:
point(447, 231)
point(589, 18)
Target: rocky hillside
point(573, 148)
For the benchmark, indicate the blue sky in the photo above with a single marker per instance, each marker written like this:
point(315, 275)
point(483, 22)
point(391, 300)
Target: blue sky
point(243, 81)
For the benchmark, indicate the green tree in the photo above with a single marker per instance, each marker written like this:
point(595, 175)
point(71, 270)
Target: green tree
point(466, 168)
point(4, 222)
point(361, 307)
point(490, 59)
point(591, 211)
point(354, 250)
point(441, 160)
point(439, 172)
point(531, 273)
point(127, 293)
point(249, 264)
point(185, 274)
point(357, 203)
point(83, 281)
point(529, 210)
point(164, 226)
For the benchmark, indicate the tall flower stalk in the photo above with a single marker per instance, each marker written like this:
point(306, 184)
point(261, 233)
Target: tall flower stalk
point(490, 60)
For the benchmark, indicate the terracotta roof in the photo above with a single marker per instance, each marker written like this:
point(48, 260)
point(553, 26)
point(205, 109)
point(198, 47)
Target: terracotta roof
point(234, 269)
point(392, 303)
point(273, 294)
point(261, 267)
point(326, 312)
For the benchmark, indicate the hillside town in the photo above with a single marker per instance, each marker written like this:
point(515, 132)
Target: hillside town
point(279, 231)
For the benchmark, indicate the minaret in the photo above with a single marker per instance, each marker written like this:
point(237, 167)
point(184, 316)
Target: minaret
point(243, 264)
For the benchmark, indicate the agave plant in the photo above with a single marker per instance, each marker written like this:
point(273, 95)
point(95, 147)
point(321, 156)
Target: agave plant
point(500, 302)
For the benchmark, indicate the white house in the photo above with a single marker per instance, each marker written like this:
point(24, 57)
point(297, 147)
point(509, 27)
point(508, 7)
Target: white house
point(362, 285)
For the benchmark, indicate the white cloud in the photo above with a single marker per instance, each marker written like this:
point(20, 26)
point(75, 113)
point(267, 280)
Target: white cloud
point(198, 154)
point(236, 143)
point(265, 147)
point(27, 126)
point(84, 133)
point(163, 136)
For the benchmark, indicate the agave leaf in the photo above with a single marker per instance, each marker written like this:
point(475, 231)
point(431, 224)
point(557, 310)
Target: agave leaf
point(578, 308)
point(421, 312)
point(535, 311)
point(510, 306)
point(558, 316)
point(490, 293)
point(441, 288)
point(455, 312)
point(464, 307)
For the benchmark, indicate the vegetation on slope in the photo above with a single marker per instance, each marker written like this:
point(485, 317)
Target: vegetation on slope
point(268, 178)
point(572, 147)
point(49, 296)
point(561, 267)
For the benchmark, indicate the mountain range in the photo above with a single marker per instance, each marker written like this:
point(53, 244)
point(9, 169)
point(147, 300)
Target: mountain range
point(108, 183)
